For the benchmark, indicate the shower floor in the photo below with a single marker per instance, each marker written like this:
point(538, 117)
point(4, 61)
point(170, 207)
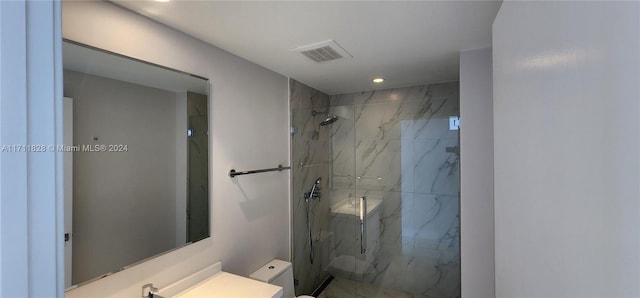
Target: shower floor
point(346, 288)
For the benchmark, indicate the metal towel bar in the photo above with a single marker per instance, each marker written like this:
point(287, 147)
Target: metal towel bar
point(234, 173)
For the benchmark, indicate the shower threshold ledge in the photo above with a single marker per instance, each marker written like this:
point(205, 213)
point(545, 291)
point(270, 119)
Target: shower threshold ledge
point(348, 208)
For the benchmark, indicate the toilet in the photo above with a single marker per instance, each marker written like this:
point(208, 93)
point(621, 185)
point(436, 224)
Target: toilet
point(279, 273)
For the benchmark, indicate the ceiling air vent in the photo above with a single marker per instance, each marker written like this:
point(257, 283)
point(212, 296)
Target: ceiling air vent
point(323, 51)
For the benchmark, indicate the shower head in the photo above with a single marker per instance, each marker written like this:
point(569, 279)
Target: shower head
point(325, 122)
point(329, 120)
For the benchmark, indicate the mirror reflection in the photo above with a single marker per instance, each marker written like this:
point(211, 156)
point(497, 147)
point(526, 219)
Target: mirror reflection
point(136, 161)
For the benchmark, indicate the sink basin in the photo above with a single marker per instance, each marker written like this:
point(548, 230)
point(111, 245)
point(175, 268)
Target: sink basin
point(225, 285)
point(212, 282)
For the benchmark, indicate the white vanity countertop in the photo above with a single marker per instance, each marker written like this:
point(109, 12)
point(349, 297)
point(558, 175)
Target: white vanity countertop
point(223, 285)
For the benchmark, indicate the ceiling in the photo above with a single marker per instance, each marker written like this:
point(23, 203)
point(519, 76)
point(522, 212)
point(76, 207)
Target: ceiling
point(407, 43)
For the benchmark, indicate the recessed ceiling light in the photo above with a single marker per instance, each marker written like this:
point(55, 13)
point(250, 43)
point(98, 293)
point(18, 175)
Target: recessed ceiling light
point(162, 0)
point(378, 80)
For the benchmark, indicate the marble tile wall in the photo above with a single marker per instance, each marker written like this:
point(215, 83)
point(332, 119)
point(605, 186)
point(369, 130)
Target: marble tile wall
point(391, 144)
point(198, 167)
point(310, 159)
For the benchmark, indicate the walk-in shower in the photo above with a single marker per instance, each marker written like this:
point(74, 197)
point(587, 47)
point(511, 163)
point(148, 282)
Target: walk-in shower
point(388, 220)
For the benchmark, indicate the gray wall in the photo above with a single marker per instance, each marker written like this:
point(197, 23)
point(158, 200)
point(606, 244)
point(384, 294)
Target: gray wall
point(567, 162)
point(115, 191)
point(250, 215)
point(476, 174)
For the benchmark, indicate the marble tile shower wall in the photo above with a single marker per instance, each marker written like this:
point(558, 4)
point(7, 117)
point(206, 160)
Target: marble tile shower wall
point(310, 159)
point(391, 145)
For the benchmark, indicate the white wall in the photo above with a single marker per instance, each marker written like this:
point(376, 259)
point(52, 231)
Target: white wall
point(31, 242)
point(476, 174)
point(566, 129)
point(249, 130)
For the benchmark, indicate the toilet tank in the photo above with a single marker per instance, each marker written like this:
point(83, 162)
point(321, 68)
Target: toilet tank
point(279, 273)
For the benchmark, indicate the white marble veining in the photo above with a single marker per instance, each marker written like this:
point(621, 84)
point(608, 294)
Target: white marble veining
point(435, 171)
point(392, 144)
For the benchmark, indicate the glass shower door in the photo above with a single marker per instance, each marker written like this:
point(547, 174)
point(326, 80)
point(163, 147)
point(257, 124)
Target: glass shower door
point(378, 178)
point(406, 184)
point(344, 225)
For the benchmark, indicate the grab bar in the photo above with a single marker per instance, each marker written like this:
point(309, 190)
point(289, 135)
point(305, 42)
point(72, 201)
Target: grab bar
point(234, 173)
point(363, 225)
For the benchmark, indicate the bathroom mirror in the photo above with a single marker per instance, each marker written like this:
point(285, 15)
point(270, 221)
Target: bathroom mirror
point(136, 161)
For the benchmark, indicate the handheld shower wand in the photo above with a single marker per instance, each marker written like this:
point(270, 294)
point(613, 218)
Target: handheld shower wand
point(312, 195)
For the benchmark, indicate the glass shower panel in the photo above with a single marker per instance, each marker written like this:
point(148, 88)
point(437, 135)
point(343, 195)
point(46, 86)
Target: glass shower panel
point(378, 179)
point(310, 162)
point(414, 154)
point(343, 223)
point(407, 167)
point(393, 149)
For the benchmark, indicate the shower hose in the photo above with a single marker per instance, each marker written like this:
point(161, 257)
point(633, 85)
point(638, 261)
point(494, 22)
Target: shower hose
point(307, 203)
